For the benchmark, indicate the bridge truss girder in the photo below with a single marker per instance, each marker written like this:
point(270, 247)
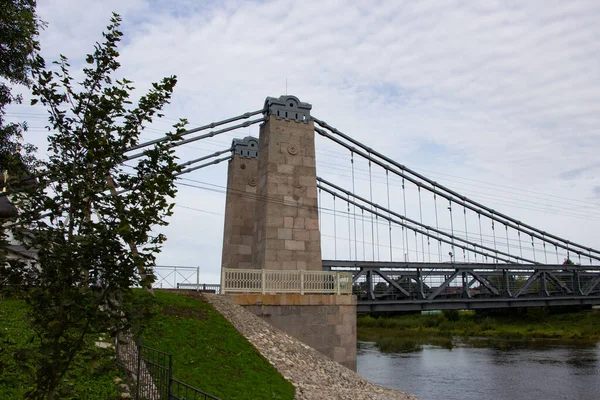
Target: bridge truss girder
point(384, 286)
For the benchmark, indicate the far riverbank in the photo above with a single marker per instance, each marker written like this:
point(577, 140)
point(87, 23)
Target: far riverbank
point(409, 332)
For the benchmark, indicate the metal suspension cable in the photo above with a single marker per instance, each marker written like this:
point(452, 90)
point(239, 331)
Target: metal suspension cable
point(422, 232)
point(452, 229)
point(217, 161)
point(421, 221)
point(406, 255)
point(377, 238)
point(545, 255)
point(473, 205)
point(183, 172)
point(362, 219)
point(388, 206)
point(354, 191)
point(521, 246)
point(212, 125)
point(320, 205)
point(433, 236)
point(216, 153)
point(349, 230)
point(190, 131)
point(451, 238)
point(494, 233)
point(507, 244)
point(372, 225)
point(334, 230)
point(481, 234)
point(417, 248)
point(466, 232)
point(437, 225)
point(206, 135)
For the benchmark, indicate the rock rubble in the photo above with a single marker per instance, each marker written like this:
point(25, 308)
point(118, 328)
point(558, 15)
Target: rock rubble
point(315, 376)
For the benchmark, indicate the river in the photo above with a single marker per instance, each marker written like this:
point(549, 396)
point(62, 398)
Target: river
point(544, 371)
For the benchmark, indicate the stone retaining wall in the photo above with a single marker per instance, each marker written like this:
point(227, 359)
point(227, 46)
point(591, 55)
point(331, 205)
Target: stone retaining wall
point(326, 323)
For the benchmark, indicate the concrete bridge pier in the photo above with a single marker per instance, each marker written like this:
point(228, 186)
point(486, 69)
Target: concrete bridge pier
point(272, 223)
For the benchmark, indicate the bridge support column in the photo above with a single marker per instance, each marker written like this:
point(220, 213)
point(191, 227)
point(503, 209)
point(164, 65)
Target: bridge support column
point(287, 229)
point(326, 323)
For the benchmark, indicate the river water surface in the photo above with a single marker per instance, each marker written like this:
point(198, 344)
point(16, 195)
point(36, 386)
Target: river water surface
point(548, 371)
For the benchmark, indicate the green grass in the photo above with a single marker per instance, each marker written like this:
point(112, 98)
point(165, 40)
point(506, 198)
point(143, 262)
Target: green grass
point(409, 332)
point(92, 374)
point(209, 353)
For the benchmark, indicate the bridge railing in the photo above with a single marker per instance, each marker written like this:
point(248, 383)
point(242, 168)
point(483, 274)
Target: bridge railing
point(276, 281)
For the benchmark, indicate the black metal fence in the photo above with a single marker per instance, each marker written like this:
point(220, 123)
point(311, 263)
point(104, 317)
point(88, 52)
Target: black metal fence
point(151, 371)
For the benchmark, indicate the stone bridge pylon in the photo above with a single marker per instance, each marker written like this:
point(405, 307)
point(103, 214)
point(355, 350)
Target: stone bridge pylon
point(272, 223)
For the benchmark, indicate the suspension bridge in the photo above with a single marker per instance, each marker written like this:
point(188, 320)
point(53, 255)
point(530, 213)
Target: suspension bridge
point(400, 240)
point(409, 242)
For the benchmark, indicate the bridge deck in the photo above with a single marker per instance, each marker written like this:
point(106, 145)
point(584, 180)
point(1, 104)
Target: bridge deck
point(403, 286)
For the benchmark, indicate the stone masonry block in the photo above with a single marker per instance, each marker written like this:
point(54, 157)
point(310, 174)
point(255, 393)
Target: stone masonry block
point(308, 162)
point(284, 233)
point(285, 169)
point(276, 222)
point(307, 180)
point(285, 255)
point(290, 201)
point(311, 223)
point(272, 233)
point(311, 192)
point(288, 265)
point(301, 234)
point(242, 249)
point(284, 189)
point(288, 222)
point(295, 245)
point(275, 244)
point(295, 160)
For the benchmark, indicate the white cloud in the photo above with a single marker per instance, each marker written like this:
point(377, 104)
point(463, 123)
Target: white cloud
point(506, 92)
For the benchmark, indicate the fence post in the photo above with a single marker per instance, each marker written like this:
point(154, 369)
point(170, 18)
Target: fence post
point(175, 277)
point(222, 280)
point(170, 387)
point(301, 281)
point(264, 280)
point(337, 282)
point(139, 368)
point(197, 279)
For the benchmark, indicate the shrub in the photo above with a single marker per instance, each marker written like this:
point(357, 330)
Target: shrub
point(537, 314)
point(451, 315)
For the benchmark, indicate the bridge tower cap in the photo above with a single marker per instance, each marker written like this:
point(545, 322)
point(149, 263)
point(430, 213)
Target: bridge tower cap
point(246, 147)
point(289, 108)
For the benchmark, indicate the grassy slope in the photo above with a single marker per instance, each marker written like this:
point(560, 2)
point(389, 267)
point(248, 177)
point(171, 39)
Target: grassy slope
point(409, 332)
point(209, 353)
point(91, 378)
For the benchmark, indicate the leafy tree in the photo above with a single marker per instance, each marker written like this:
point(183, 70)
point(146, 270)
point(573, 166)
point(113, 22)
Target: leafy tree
point(19, 27)
point(93, 243)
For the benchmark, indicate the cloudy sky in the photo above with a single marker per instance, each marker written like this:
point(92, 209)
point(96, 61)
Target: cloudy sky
point(499, 100)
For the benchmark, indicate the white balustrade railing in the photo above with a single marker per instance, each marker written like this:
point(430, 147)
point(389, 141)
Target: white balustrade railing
point(277, 281)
